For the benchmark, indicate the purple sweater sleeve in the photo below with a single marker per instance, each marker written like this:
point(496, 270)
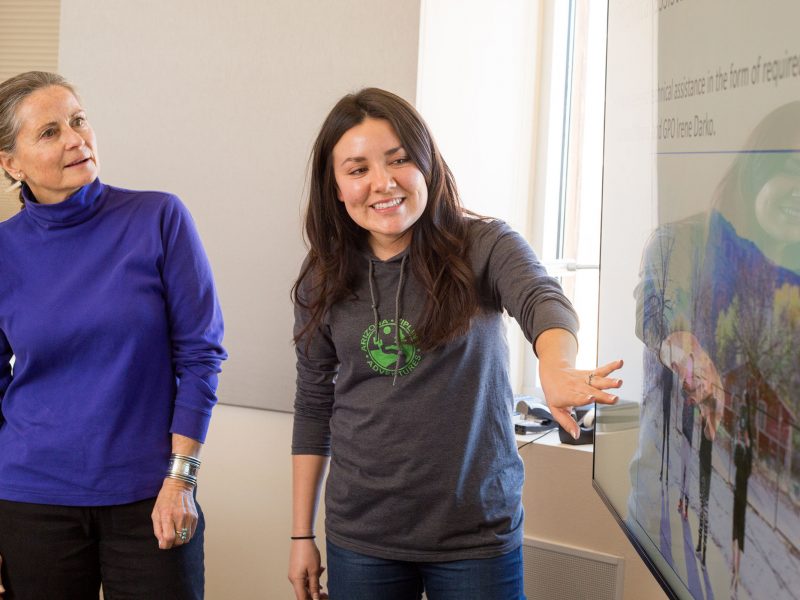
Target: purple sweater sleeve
point(195, 322)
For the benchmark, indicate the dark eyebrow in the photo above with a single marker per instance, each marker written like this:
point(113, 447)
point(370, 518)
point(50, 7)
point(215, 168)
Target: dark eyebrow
point(358, 159)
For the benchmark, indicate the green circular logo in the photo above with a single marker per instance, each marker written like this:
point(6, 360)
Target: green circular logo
point(383, 353)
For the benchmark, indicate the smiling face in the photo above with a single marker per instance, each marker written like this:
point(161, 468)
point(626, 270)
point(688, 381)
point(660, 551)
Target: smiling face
point(382, 190)
point(778, 203)
point(55, 152)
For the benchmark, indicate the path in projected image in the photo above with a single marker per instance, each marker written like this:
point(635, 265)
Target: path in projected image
point(766, 563)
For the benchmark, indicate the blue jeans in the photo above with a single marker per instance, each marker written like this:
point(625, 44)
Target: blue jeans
point(354, 576)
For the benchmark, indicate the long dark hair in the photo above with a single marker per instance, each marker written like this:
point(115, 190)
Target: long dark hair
point(438, 254)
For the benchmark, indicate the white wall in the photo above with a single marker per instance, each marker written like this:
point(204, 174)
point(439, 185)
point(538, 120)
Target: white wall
point(572, 514)
point(478, 89)
point(245, 492)
point(219, 102)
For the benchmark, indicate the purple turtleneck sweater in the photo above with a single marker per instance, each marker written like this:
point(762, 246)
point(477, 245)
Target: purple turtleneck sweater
point(107, 305)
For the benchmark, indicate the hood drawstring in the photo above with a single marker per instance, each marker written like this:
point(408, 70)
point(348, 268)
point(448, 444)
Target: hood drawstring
point(400, 282)
point(372, 297)
point(397, 319)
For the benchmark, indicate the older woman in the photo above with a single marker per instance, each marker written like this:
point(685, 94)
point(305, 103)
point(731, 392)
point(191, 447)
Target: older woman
point(108, 310)
point(403, 369)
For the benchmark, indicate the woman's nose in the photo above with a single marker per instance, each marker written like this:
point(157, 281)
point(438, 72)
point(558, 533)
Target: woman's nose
point(73, 139)
point(382, 180)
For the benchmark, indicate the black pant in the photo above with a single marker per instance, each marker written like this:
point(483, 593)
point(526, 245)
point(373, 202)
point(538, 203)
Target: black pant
point(705, 490)
point(65, 552)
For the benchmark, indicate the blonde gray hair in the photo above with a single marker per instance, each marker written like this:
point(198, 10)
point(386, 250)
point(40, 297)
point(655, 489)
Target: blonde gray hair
point(13, 92)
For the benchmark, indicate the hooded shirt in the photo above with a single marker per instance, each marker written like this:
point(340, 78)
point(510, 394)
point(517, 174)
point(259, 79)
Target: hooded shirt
point(424, 464)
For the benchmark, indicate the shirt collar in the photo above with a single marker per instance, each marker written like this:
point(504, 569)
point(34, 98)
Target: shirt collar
point(78, 207)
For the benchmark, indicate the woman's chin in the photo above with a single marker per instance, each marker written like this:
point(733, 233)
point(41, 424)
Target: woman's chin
point(781, 231)
point(82, 179)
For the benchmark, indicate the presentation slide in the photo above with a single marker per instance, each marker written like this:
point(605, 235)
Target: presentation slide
point(700, 271)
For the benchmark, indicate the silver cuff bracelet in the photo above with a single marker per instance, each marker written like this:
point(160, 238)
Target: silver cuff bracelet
point(183, 468)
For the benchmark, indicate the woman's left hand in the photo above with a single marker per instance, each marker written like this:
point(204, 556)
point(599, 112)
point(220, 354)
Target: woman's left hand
point(174, 514)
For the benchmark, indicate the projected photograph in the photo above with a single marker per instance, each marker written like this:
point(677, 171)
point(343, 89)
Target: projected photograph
point(711, 444)
point(718, 486)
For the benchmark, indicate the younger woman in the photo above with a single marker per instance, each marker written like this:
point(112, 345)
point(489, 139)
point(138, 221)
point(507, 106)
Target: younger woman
point(403, 369)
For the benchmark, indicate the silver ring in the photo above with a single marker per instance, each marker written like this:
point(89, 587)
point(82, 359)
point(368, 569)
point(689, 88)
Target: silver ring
point(591, 376)
point(183, 534)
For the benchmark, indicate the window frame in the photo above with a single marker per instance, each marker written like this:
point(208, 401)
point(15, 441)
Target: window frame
point(561, 204)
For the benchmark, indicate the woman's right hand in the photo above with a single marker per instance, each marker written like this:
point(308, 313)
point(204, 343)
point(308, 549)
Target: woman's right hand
point(305, 569)
point(2, 589)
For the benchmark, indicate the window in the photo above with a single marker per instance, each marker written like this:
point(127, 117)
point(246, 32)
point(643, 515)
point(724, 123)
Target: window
point(514, 94)
point(573, 214)
point(761, 417)
point(569, 167)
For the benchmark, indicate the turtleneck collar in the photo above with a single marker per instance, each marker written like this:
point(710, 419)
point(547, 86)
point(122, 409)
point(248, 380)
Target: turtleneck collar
point(80, 206)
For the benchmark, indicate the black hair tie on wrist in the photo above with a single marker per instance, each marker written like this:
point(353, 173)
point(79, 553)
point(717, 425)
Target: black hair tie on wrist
point(303, 537)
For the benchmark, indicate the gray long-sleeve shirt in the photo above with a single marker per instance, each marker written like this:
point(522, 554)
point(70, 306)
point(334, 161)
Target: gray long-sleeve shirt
point(425, 469)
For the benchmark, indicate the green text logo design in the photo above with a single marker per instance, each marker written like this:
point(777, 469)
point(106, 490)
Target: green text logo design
point(381, 352)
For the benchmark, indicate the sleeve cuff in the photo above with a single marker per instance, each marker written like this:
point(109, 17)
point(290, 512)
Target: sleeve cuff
point(190, 423)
